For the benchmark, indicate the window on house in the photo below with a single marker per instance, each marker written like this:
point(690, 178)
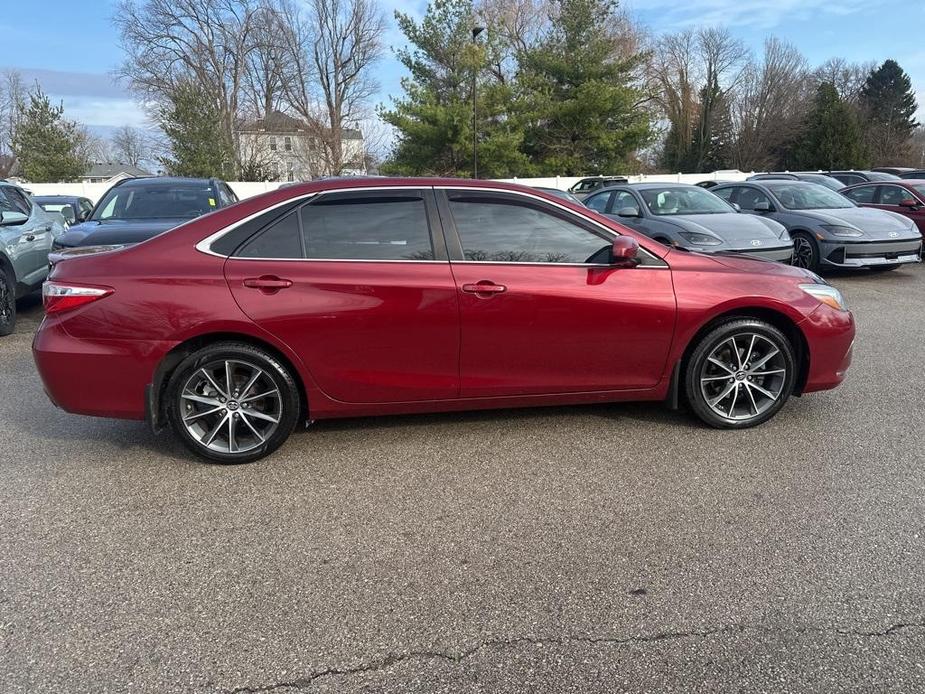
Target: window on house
point(287, 144)
point(272, 144)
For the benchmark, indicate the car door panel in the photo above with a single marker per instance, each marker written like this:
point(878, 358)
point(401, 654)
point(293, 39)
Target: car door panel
point(368, 330)
point(557, 327)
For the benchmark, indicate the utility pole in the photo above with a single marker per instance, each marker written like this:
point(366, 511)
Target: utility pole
point(475, 123)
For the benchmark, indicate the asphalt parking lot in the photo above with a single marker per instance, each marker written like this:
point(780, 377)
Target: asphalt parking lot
point(589, 549)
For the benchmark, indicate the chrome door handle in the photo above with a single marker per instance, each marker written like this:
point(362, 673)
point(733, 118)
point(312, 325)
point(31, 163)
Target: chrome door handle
point(485, 287)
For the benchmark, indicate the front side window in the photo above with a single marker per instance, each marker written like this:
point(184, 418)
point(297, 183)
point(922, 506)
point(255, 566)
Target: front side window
point(622, 200)
point(10, 201)
point(672, 200)
point(749, 197)
point(862, 194)
point(358, 227)
point(724, 193)
point(598, 203)
point(495, 229)
point(893, 195)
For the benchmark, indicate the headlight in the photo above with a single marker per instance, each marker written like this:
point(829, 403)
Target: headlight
point(827, 294)
point(700, 239)
point(835, 230)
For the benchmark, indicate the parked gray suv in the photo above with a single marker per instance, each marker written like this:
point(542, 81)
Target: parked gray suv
point(26, 234)
point(828, 229)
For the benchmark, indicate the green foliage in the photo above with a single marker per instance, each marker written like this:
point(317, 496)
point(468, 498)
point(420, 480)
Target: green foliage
point(888, 103)
point(434, 118)
point(832, 138)
point(712, 147)
point(570, 109)
point(47, 145)
point(192, 125)
point(580, 107)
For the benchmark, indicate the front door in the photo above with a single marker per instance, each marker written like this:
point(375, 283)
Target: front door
point(541, 308)
point(359, 287)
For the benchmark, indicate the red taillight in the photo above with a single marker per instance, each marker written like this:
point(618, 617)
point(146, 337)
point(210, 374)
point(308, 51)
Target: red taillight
point(59, 297)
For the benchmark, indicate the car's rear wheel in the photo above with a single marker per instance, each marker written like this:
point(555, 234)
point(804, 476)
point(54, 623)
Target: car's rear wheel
point(7, 302)
point(805, 251)
point(232, 402)
point(740, 374)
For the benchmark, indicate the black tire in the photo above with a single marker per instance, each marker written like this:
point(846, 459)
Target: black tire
point(286, 404)
point(702, 374)
point(7, 302)
point(805, 251)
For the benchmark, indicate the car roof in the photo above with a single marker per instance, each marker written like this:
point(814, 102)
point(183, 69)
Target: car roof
point(649, 185)
point(59, 197)
point(162, 181)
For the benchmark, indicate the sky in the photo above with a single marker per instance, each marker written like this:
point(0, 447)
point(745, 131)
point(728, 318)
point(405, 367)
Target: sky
point(71, 47)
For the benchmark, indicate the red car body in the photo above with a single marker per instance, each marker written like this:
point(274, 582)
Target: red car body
point(905, 197)
point(369, 338)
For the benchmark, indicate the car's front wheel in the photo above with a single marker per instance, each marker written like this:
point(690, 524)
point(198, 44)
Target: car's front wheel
point(7, 302)
point(805, 251)
point(232, 402)
point(740, 374)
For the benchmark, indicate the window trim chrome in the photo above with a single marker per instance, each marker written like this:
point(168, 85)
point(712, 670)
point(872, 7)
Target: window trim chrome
point(204, 246)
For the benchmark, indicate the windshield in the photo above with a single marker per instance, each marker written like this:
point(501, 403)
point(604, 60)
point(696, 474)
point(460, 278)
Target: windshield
point(881, 176)
point(800, 196)
point(156, 201)
point(677, 200)
point(920, 189)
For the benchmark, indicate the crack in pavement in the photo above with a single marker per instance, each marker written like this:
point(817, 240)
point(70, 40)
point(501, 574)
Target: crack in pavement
point(395, 658)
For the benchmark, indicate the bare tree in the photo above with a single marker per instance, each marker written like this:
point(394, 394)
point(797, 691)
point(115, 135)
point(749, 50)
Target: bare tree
point(848, 78)
point(330, 49)
point(772, 99)
point(129, 145)
point(207, 43)
point(13, 94)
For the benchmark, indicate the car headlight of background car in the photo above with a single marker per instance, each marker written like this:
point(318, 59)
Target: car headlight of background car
point(700, 239)
point(827, 294)
point(836, 230)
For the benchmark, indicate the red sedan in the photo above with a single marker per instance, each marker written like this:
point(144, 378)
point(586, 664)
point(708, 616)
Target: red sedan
point(362, 297)
point(905, 197)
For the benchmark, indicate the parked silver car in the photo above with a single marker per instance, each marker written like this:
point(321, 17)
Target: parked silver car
point(828, 229)
point(690, 217)
point(26, 234)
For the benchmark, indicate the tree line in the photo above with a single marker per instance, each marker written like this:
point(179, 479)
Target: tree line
point(549, 87)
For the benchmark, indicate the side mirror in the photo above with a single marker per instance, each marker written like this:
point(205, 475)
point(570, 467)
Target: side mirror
point(628, 212)
point(9, 218)
point(624, 252)
point(83, 215)
point(762, 206)
point(909, 202)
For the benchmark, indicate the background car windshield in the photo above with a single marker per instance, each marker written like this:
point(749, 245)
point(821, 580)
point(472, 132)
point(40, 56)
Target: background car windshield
point(802, 196)
point(156, 202)
point(669, 201)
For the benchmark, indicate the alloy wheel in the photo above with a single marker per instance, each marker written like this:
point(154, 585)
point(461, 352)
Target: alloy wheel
point(743, 377)
point(803, 252)
point(230, 406)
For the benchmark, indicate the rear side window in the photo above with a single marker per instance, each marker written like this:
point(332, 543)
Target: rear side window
point(724, 193)
point(11, 200)
point(282, 239)
point(361, 227)
point(864, 194)
point(500, 230)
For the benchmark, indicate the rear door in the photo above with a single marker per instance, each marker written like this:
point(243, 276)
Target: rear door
point(542, 310)
point(27, 243)
point(358, 284)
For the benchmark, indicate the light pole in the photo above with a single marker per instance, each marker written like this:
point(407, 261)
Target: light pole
point(475, 124)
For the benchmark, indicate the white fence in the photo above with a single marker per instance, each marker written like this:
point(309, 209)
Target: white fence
point(95, 191)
